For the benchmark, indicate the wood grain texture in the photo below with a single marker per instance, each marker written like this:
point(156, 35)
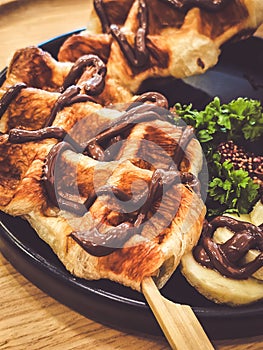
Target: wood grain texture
point(30, 319)
point(178, 322)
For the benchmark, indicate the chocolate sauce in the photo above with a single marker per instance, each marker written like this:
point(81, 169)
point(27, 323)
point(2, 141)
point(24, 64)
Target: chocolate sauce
point(68, 97)
point(161, 181)
point(226, 257)
point(22, 136)
point(56, 132)
point(101, 244)
point(101, 12)
point(9, 95)
point(98, 244)
point(155, 98)
point(56, 198)
point(191, 180)
point(138, 55)
point(63, 100)
point(70, 92)
point(123, 124)
point(94, 85)
point(209, 5)
point(186, 137)
point(107, 190)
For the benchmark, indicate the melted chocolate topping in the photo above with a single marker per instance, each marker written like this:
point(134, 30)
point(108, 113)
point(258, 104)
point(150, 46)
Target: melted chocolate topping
point(227, 257)
point(9, 95)
point(94, 85)
point(56, 132)
point(98, 244)
point(209, 5)
point(186, 137)
point(135, 115)
point(102, 244)
point(154, 98)
point(49, 179)
point(100, 10)
point(70, 92)
point(22, 136)
point(68, 97)
point(107, 190)
point(137, 55)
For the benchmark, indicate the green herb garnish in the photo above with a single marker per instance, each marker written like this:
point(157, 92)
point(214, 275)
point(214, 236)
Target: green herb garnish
point(230, 190)
point(233, 189)
point(241, 119)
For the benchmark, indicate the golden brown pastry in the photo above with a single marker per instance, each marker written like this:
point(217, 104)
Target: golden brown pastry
point(163, 38)
point(104, 214)
point(37, 68)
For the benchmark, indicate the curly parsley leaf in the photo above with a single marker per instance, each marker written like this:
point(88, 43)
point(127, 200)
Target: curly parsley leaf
point(239, 120)
point(232, 188)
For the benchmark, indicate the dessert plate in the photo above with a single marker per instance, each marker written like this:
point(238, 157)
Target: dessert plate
point(239, 72)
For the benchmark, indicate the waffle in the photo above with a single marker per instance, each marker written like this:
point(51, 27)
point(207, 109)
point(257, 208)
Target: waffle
point(37, 68)
point(162, 38)
point(97, 194)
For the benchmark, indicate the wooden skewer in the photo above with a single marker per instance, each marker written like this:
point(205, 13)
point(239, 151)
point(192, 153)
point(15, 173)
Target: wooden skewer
point(178, 322)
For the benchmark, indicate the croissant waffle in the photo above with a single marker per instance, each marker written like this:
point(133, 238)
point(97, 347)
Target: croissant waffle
point(143, 39)
point(161, 38)
point(155, 247)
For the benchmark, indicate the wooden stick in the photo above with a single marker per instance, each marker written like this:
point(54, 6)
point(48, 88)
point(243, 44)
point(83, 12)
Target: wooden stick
point(178, 322)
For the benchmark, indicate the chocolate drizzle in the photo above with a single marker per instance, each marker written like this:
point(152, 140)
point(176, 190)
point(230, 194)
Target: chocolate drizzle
point(100, 10)
point(209, 5)
point(138, 55)
point(94, 85)
point(121, 126)
point(186, 137)
point(68, 97)
point(154, 98)
point(49, 179)
point(70, 93)
point(56, 132)
point(227, 257)
point(96, 243)
point(104, 244)
point(99, 244)
point(9, 95)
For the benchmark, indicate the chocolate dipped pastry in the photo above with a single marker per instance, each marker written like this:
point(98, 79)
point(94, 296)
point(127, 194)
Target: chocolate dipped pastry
point(162, 38)
point(105, 206)
point(227, 264)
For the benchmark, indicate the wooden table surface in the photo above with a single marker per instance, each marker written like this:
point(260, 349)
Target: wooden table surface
point(30, 319)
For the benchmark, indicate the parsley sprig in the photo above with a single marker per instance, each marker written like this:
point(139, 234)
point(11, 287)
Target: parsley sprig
point(241, 119)
point(230, 190)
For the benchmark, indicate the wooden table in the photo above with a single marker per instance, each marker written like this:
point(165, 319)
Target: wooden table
point(30, 319)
